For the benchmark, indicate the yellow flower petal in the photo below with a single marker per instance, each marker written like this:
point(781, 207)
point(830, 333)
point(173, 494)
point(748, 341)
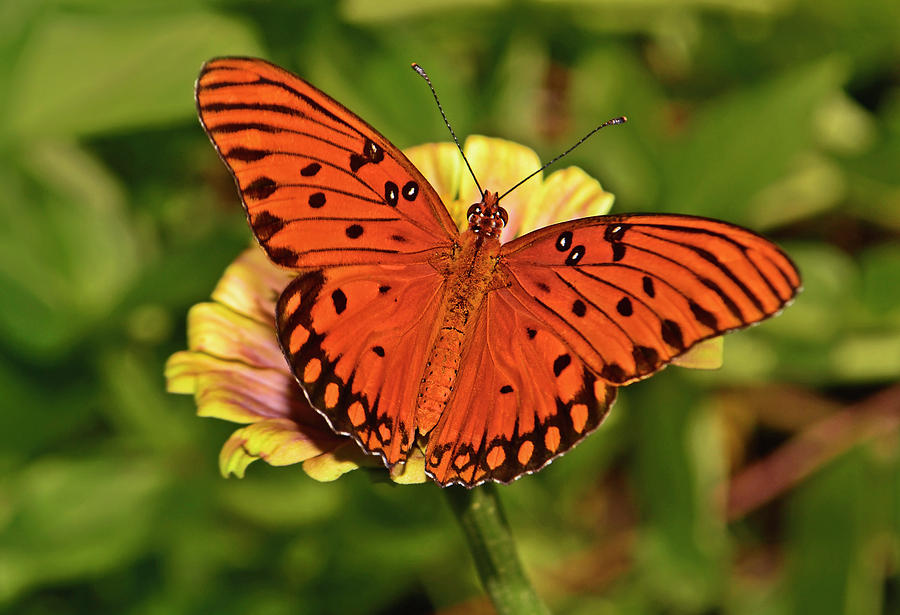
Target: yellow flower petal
point(233, 459)
point(412, 472)
point(332, 465)
point(252, 284)
point(278, 441)
point(441, 165)
point(705, 355)
point(567, 194)
point(216, 330)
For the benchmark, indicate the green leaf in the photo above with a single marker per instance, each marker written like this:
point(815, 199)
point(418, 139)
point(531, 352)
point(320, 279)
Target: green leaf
point(66, 257)
point(87, 73)
point(70, 519)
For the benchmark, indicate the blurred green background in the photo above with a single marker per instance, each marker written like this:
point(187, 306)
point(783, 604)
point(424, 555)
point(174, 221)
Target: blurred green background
point(782, 115)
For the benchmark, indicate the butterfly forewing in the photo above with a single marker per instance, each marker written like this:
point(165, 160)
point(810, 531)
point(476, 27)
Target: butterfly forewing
point(629, 293)
point(320, 186)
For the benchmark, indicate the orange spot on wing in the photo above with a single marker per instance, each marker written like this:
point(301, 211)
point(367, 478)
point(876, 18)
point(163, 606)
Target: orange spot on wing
point(332, 392)
point(357, 414)
point(461, 460)
point(495, 457)
point(525, 451)
point(599, 390)
point(292, 305)
point(384, 433)
point(579, 414)
point(312, 371)
point(298, 337)
point(551, 439)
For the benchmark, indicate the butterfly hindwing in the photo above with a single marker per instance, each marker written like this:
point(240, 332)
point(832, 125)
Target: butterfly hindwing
point(629, 293)
point(523, 399)
point(320, 186)
point(355, 338)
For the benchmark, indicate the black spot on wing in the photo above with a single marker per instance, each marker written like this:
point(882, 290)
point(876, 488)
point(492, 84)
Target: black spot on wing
point(575, 255)
point(356, 162)
point(391, 193)
point(703, 316)
point(671, 334)
point(645, 358)
point(310, 169)
point(265, 225)
point(283, 256)
point(246, 154)
point(560, 363)
point(316, 200)
point(579, 308)
point(339, 299)
point(615, 232)
point(260, 188)
point(410, 190)
point(614, 373)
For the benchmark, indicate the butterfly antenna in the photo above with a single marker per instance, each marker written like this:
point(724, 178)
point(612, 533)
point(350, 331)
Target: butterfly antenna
point(615, 120)
point(424, 76)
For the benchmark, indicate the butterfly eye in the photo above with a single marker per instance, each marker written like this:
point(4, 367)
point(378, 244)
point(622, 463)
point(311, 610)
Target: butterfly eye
point(474, 210)
point(503, 215)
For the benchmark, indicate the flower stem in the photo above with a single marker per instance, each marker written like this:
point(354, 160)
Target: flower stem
point(490, 540)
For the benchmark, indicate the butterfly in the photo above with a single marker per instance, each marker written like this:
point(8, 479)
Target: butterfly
point(492, 358)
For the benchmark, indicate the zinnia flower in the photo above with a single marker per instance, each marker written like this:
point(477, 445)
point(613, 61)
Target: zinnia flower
point(234, 366)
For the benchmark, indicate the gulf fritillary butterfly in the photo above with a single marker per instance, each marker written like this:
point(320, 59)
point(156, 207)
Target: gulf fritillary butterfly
point(492, 358)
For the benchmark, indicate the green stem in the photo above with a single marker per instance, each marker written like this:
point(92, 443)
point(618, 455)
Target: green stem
point(490, 540)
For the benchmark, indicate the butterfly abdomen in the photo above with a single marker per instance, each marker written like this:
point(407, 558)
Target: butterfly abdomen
point(470, 276)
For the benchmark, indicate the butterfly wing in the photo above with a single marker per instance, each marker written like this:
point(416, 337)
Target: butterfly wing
point(523, 398)
point(325, 193)
point(320, 186)
point(629, 293)
point(357, 338)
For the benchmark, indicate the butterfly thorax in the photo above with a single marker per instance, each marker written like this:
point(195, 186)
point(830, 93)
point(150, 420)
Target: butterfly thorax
point(471, 272)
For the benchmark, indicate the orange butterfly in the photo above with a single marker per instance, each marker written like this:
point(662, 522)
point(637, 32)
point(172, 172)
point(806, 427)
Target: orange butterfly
point(493, 358)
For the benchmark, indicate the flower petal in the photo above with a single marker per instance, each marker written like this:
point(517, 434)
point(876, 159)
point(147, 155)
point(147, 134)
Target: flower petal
point(334, 464)
point(251, 285)
point(441, 165)
point(216, 330)
point(566, 194)
point(236, 392)
point(412, 472)
point(705, 355)
point(278, 441)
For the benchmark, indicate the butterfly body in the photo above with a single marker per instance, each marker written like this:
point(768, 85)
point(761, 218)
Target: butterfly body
point(470, 272)
point(492, 358)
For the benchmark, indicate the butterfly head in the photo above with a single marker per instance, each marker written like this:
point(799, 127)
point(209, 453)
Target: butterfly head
point(487, 217)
